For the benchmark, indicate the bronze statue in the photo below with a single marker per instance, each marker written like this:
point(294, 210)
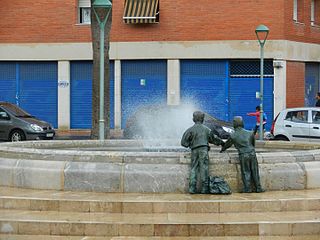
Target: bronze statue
point(197, 138)
point(244, 142)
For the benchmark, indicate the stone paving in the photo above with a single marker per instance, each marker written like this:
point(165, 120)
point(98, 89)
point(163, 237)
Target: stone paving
point(48, 213)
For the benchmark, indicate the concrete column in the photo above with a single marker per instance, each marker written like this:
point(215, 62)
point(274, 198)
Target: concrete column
point(117, 94)
point(280, 78)
point(63, 94)
point(173, 82)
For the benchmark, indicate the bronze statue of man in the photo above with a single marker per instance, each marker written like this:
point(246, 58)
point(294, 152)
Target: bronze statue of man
point(197, 138)
point(244, 142)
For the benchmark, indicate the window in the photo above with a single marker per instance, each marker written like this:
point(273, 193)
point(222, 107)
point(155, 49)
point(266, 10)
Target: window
point(298, 11)
point(3, 115)
point(295, 10)
point(141, 11)
point(316, 117)
point(312, 11)
point(315, 12)
point(84, 11)
point(297, 116)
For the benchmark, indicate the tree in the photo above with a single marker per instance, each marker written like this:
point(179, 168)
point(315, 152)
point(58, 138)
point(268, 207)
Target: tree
point(95, 32)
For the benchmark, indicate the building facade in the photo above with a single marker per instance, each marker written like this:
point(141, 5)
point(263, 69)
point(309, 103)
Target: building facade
point(162, 52)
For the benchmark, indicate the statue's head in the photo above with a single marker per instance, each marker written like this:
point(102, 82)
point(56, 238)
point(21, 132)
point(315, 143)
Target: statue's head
point(238, 122)
point(198, 117)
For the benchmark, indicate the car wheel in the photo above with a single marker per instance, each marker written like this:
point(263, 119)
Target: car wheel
point(281, 138)
point(16, 136)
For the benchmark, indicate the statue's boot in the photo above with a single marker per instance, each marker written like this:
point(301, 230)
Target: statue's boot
point(193, 188)
point(205, 188)
point(246, 191)
point(260, 190)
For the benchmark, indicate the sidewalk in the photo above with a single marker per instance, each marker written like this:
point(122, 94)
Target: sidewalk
point(70, 134)
point(83, 134)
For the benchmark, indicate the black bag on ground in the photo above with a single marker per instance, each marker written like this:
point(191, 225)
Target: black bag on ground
point(217, 185)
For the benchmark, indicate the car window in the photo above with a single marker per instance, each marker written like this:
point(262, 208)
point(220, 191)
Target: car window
point(3, 115)
point(316, 117)
point(15, 110)
point(297, 116)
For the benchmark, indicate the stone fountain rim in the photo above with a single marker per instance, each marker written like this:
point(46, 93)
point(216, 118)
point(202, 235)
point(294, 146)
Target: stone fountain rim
point(305, 151)
point(101, 171)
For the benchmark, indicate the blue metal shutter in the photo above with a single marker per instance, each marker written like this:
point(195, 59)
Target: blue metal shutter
point(143, 82)
point(312, 78)
point(8, 82)
point(38, 90)
point(81, 94)
point(243, 99)
point(204, 84)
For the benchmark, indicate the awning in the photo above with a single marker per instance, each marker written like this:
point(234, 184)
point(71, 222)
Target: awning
point(141, 11)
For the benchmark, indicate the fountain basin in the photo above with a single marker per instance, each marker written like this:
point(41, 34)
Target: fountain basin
point(130, 166)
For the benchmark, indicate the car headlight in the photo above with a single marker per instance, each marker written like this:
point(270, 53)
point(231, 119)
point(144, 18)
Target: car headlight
point(36, 127)
point(228, 130)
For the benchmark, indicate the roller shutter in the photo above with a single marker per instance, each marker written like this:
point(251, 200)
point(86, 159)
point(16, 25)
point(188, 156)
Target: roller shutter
point(143, 83)
point(204, 85)
point(312, 78)
point(8, 82)
point(81, 94)
point(38, 89)
point(244, 83)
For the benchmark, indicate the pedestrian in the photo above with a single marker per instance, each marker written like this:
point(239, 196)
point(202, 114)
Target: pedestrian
point(318, 99)
point(244, 142)
point(257, 115)
point(197, 138)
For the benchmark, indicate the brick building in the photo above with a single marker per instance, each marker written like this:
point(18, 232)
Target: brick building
point(162, 51)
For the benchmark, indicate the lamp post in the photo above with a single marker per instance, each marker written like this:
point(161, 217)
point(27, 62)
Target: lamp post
point(262, 32)
point(106, 5)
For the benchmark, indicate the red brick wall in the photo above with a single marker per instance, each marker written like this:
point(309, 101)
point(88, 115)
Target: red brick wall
point(34, 21)
point(302, 31)
point(202, 20)
point(295, 84)
point(44, 21)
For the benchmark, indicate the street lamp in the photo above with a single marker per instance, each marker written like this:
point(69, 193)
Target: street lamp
point(106, 5)
point(262, 32)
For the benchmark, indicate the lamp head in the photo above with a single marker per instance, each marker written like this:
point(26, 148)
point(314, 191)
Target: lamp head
point(262, 32)
point(102, 4)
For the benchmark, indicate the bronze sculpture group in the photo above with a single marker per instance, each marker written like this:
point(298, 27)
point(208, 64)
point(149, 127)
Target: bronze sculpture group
point(198, 137)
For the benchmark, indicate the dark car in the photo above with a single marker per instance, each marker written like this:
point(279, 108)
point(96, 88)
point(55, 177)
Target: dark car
point(18, 125)
point(164, 121)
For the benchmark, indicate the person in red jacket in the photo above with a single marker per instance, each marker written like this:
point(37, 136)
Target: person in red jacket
point(257, 115)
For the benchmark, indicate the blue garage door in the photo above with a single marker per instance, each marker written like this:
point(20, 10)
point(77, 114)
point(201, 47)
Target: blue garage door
point(244, 83)
point(38, 89)
point(143, 83)
point(204, 85)
point(312, 78)
point(81, 94)
point(8, 82)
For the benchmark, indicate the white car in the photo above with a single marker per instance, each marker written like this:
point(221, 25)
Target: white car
point(297, 124)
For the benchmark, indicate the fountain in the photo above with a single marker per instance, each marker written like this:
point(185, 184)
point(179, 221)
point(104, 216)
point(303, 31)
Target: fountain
point(154, 162)
point(128, 166)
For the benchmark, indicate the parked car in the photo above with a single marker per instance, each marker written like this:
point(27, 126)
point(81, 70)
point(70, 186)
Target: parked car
point(297, 124)
point(18, 125)
point(164, 121)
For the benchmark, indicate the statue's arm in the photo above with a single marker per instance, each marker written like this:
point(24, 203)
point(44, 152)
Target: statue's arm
point(227, 144)
point(253, 140)
point(214, 139)
point(186, 138)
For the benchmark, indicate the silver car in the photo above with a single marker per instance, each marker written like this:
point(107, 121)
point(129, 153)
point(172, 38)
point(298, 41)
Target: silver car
point(18, 125)
point(297, 124)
